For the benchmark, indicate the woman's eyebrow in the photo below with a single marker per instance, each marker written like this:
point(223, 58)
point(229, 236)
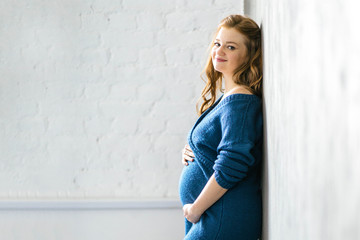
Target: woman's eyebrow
point(228, 42)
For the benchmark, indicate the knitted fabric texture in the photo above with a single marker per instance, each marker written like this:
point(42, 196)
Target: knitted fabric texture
point(227, 141)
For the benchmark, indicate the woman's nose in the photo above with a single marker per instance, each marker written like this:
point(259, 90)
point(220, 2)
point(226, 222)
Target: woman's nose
point(220, 51)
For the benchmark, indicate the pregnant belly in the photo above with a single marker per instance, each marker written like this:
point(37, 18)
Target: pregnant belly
point(192, 181)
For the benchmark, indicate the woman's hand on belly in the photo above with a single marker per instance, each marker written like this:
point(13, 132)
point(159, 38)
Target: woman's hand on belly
point(187, 155)
point(191, 214)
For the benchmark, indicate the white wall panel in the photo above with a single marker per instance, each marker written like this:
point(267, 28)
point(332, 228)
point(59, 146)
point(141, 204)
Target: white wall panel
point(312, 110)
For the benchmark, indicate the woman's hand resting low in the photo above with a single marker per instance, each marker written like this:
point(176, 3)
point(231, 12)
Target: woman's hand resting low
point(187, 155)
point(191, 214)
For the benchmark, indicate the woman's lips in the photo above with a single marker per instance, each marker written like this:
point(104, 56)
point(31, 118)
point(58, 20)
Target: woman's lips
point(220, 60)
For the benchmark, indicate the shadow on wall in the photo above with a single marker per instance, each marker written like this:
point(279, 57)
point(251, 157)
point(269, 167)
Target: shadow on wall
point(265, 176)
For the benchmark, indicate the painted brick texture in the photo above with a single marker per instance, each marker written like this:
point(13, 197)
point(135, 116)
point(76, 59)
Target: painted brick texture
point(97, 97)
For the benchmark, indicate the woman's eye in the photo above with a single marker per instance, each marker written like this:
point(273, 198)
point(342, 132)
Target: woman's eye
point(231, 47)
point(217, 44)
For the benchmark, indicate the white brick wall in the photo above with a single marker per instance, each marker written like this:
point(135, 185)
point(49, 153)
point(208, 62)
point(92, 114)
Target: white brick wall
point(97, 97)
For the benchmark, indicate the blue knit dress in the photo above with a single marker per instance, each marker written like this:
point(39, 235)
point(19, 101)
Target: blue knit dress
point(227, 140)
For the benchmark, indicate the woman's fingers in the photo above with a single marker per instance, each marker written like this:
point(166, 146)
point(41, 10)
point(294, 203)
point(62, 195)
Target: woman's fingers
point(184, 162)
point(187, 155)
point(189, 151)
point(186, 159)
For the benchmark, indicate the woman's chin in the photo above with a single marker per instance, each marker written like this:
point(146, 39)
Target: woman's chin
point(219, 69)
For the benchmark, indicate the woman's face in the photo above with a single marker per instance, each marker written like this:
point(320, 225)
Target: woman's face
point(228, 51)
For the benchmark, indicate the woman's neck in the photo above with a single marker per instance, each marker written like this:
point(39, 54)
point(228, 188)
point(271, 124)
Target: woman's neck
point(232, 87)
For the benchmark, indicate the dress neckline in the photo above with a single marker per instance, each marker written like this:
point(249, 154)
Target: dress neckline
point(222, 100)
point(219, 103)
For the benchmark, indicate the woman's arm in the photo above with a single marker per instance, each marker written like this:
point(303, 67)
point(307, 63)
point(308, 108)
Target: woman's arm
point(208, 196)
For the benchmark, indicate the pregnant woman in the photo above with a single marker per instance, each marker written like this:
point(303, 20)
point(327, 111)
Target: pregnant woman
point(220, 186)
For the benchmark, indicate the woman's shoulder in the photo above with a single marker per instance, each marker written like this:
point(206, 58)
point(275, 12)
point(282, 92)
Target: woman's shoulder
point(237, 107)
point(238, 101)
point(242, 113)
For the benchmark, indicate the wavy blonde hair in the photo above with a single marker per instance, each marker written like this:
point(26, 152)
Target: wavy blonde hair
point(249, 74)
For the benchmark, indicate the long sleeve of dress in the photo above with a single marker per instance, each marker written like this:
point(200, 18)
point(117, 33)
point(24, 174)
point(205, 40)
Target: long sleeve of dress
point(235, 156)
